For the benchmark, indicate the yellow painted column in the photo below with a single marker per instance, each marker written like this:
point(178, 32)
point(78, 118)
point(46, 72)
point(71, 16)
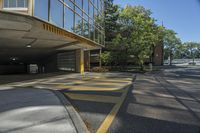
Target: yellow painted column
point(82, 62)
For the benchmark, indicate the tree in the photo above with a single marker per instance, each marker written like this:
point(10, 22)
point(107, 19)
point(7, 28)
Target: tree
point(111, 18)
point(140, 32)
point(106, 58)
point(193, 49)
point(170, 43)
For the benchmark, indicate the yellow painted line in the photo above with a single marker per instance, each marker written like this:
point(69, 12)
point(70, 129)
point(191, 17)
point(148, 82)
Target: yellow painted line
point(109, 119)
point(93, 98)
point(86, 88)
point(110, 80)
point(84, 83)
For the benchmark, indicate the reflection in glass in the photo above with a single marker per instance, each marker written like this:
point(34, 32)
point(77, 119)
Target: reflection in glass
point(96, 35)
point(78, 25)
point(69, 3)
point(91, 8)
point(83, 18)
point(41, 9)
point(85, 6)
point(15, 3)
point(85, 29)
point(57, 12)
point(91, 32)
point(69, 19)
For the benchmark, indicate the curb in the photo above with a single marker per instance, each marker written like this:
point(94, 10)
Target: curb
point(75, 117)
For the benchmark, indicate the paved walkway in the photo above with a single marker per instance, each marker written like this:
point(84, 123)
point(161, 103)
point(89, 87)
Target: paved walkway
point(28, 110)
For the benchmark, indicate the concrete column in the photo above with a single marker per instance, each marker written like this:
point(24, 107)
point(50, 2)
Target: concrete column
point(80, 61)
point(30, 7)
point(1, 4)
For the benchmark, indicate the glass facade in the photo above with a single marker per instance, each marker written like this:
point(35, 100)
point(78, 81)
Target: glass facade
point(83, 17)
point(15, 3)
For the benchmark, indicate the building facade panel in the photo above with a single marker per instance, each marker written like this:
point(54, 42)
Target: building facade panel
point(83, 17)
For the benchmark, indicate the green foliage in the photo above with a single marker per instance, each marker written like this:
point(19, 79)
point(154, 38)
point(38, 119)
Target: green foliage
point(111, 18)
point(106, 58)
point(132, 31)
point(193, 49)
point(171, 43)
point(139, 32)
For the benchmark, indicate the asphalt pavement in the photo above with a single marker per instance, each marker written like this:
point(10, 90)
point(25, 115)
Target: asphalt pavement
point(166, 102)
point(160, 102)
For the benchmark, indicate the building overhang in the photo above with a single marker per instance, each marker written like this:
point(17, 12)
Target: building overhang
point(23, 35)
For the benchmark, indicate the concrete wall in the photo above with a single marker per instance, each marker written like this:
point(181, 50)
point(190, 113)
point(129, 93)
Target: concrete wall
point(50, 64)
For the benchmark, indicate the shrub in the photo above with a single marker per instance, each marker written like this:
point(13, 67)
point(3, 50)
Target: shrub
point(99, 69)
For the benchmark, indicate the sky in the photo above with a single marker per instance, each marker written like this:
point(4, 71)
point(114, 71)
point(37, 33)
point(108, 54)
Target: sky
point(183, 16)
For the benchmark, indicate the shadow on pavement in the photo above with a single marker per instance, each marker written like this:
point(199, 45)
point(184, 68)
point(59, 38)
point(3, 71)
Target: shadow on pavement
point(32, 110)
point(144, 118)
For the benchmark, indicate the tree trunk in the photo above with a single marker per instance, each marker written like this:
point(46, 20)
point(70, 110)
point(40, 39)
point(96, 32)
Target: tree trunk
point(170, 59)
point(193, 59)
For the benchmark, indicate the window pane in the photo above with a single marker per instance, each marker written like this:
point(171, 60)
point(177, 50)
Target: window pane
point(78, 25)
point(96, 35)
point(95, 3)
point(78, 11)
point(91, 11)
point(85, 6)
point(41, 9)
point(56, 13)
point(85, 29)
point(91, 32)
point(79, 3)
point(20, 3)
point(69, 3)
point(12, 3)
point(6, 3)
point(69, 19)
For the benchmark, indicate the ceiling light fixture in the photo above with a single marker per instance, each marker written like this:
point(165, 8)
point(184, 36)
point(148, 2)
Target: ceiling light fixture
point(28, 46)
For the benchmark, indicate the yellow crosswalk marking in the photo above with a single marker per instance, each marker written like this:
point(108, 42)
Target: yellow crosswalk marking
point(88, 88)
point(112, 80)
point(83, 83)
point(93, 98)
point(110, 117)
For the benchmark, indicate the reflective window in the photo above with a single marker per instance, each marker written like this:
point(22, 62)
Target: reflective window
point(57, 12)
point(85, 6)
point(85, 29)
point(69, 3)
point(83, 17)
point(69, 19)
point(78, 25)
point(91, 9)
point(96, 35)
point(91, 28)
point(79, 3)
point(15, 3)
point(41, 9)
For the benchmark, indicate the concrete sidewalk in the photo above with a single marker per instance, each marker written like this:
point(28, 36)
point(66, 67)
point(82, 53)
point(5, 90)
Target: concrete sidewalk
point(28, 110)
